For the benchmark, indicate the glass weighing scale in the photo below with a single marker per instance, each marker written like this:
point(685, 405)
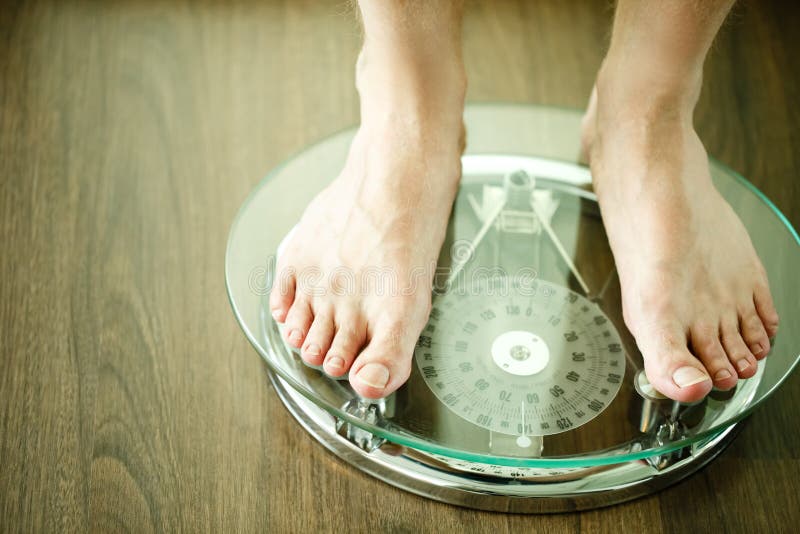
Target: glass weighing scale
point(527, 392)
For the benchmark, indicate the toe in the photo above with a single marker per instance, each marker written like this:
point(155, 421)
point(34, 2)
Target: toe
point(706, 345)
point(762, 298)
point(298, 321)
point(383, 366)
point(319, 338)
point(281, 296)
point(669, 365)
point(753, 332)
point(738, 354)
point(347, 342)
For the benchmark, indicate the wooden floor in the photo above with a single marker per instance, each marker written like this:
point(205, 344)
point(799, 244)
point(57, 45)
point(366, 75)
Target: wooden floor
point(130, 133)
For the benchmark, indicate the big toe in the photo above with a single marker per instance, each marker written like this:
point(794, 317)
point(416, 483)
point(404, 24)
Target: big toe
point(671, 368)
point(383, 366)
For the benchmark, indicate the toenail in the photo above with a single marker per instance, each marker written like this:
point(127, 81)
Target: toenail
point(756, 348)
point(689, 376)
point(742, 365)
point(295, 336)
point(374, 374)
point(722, 374)
point(335, 362)
point(312, 350)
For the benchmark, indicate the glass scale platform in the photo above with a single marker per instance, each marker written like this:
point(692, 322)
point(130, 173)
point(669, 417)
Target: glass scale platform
point(527, 392)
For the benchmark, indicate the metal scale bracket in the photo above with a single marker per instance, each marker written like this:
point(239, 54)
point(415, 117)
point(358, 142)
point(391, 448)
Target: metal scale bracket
point(371, 411)
point(665, 421)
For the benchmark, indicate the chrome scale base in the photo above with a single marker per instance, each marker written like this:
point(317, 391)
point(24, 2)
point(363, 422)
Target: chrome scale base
point(539, 490)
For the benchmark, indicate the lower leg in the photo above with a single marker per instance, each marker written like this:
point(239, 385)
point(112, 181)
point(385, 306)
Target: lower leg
point(655, 59)
point(412, 58)
point(695, 294)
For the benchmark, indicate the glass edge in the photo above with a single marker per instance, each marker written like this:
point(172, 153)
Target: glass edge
point(771, 205)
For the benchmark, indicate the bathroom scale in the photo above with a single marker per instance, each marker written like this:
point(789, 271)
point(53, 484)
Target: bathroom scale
point(527, 393)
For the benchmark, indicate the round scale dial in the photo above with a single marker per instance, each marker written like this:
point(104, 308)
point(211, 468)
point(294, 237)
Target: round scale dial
point(521, 359)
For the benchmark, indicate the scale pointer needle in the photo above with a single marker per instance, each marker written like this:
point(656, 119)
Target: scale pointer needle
point(557, 242)
point(523, 441)
point(475, 242)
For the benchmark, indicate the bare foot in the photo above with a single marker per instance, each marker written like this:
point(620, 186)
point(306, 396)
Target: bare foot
point(357, 272)
point(695, 295)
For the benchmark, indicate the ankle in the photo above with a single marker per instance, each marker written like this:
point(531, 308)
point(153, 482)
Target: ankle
point(419, 89)
point(645, 95)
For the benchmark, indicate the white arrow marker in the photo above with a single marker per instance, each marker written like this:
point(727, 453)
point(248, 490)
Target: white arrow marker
point(523, 441)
